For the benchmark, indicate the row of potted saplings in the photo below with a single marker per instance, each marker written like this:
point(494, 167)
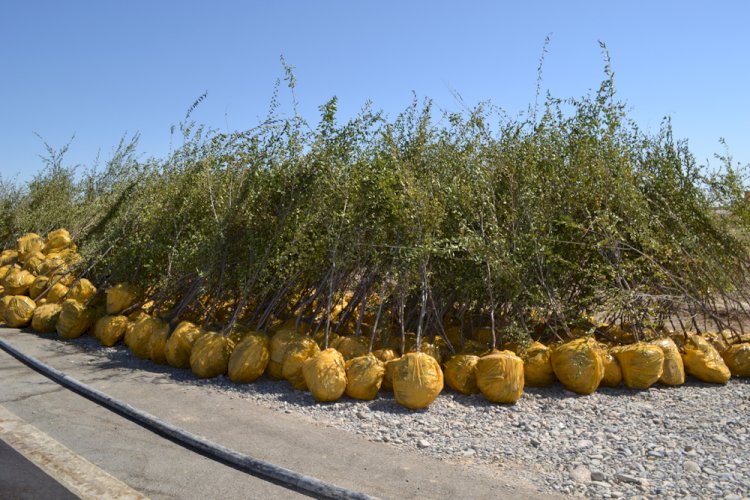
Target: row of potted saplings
point(37, 290)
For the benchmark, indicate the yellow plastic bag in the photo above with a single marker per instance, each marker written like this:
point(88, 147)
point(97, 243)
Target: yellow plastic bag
point(417, 380)
point(704, 362)
point(120, 297)
point(109, 330)
point(351, 347)
point(500, 377)
point(279, 343)
point(390, 369)
point(180, 344)
point(249, 359)
point(461, 373)
point(19, 311)
point(641, 363)
point(38, 286)
point(325, 375)
point(674, 368)
point(157, 343)
point(210, 355)
point(45, 318)
point(384, 355)
point(4, 301)
point(58, 240)
point(8, 257)
point(82, 291)
point(74, 319)
point(364, 376)
point(29, 244)
point(578, 365)
point(17, 282)
point(298, 351)
point(56, 293)
point(537, 366)
point(138, 334)
point(612, 371)
point(34, 263)
point(737, 359)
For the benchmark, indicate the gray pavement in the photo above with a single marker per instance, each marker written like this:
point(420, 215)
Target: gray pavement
point(20, 479)
point(159, 468)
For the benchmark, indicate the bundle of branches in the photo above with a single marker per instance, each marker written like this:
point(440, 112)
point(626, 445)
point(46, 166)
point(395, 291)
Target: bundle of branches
point(471, 226)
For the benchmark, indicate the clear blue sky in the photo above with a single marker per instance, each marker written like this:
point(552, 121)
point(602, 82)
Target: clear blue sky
point(99, 69)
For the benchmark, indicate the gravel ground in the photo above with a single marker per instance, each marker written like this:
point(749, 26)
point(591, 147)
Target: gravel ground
point(688, 441)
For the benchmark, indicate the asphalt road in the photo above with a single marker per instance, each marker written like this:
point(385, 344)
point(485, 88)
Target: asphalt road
point(160, 469)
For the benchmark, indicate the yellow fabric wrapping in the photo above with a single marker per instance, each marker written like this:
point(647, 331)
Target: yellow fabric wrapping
point(417, 380)
point(58, 240)
point(364, 376)
point(385, 355)
point(642, 364)
point(390, 369)
point(612, 371)
point(4, 301)
point(210, 355)
point(578, 365)
point(53, 264)
point(17, 282)
point(138, 334)
point(500, 377)
point(109, 330)
point(157, 343)
point(351, 347)
point(29, 244)
point(279, 343)
point(74, 319)
point(325, 375)
point(704, 362)
point(674, 368)
point(19, 311)
point(57, 293)
point(8, 257)
point(45, 318)
point(180, 344)
point(34, 263)
point(737, 359)
point(38, 286)
point(82, 291)
point(461, 373)
point(537, 366)
point(249, 359)
point(4, 270)
point(298, 351)
point(120, 297)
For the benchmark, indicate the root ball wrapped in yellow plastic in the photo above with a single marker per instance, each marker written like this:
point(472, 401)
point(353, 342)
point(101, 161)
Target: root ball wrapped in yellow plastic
point(674, 368)
point(58, 240)
point(641, 363)
point(537, 366)
point(737, 359)
point(138, 334)
point(298, 351)
point(612, 371)
point(578, 365)
point(82, 291)
point(364, 376)
point(279, 343)
point(45, 318)
point(500, 377)
point(703, 361)
point(19, 311)
point(120, 297)
point(109, 330)
point(249, 359)
point(74, 319)
point(17, 282)
point(325, 375)
point(417, 380)
point(210, 355)
point(461, 373)
point(29, 244)
point(180, 344)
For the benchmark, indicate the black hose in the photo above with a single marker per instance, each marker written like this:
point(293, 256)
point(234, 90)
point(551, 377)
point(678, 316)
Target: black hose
point(259, 468)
